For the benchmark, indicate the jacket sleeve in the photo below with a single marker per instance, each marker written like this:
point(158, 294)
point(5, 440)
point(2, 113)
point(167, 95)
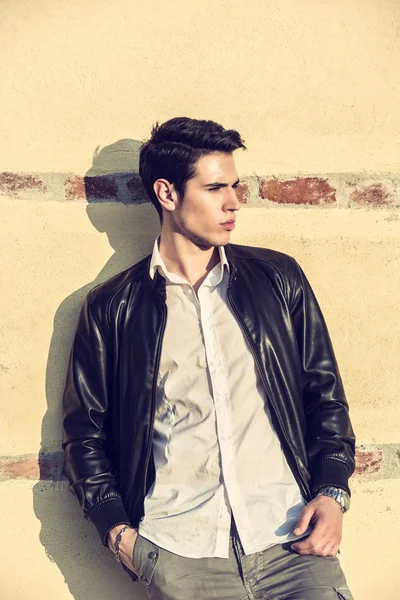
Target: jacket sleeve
point(86, 405)
point(330, 440)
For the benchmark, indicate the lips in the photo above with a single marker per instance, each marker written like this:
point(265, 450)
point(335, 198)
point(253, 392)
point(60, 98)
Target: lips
point(228, 225)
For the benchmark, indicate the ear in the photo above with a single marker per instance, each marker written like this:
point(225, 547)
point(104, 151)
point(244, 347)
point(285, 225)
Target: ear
point(166, 194)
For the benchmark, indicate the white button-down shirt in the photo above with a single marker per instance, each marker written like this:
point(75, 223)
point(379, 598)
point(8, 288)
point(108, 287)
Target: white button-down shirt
point(215, 451)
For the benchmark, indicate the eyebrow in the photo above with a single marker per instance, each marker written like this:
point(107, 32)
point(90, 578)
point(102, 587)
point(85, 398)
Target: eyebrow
point(219, 184)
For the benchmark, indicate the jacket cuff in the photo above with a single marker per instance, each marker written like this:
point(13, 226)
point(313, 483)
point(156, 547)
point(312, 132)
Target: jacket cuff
point(107, 515)
point(331, 472)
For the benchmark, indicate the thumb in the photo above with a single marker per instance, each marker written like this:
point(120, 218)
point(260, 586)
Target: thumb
point(304, 520)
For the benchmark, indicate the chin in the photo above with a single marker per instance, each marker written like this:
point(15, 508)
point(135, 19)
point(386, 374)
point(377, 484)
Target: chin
point(205, 242)
point(223, 238)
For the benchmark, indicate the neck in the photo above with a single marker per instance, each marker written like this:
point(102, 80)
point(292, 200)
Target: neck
point(182, 257)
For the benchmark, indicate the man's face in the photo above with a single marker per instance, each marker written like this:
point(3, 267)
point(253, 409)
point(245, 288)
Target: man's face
point(206, 213)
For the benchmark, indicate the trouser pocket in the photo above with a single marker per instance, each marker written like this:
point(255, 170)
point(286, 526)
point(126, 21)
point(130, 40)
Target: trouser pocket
point(344, 593)
point(145, 558)
point(131, 574)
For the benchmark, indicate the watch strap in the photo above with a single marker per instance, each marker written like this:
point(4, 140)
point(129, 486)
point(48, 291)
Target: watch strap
point(341, 496)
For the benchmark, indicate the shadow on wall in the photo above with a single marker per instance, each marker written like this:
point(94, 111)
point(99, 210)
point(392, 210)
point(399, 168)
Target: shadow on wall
point(117, 206)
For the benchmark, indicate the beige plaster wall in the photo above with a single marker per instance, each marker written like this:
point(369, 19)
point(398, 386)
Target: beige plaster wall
point(312, 84)
point(55, 255)
point(313, 87)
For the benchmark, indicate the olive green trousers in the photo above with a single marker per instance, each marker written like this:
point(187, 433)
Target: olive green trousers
point(273, 574)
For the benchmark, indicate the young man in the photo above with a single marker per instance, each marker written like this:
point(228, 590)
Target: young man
point(206, 430)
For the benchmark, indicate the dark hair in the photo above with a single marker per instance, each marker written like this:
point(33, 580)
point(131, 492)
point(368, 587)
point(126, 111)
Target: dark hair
point(175, 147)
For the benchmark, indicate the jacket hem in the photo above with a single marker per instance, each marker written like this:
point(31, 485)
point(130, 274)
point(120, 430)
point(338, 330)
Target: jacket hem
point(107, 515)
point(332, 472)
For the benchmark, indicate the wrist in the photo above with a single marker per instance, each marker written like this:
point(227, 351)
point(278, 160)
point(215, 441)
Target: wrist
point(113, 534)
point(338, 494)
point(118, 539)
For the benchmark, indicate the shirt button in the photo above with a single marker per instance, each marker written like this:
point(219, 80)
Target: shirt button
point(152, 555)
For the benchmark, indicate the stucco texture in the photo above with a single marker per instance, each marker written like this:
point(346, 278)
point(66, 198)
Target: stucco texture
point(313, 87)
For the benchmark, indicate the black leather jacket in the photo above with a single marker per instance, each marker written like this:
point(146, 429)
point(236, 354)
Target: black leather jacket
point(109, 399)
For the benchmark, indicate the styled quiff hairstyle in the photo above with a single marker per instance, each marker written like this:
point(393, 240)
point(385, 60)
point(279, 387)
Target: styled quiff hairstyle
point(175, 147)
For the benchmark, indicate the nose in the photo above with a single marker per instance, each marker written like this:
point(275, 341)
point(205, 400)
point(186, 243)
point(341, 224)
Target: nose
point(233, 202)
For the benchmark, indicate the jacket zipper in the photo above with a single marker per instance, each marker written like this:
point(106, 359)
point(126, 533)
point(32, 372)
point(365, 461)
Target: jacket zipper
point(153, 397)
point(298, 475)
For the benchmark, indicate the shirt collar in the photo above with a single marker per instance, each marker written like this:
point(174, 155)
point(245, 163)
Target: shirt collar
point(213, 278)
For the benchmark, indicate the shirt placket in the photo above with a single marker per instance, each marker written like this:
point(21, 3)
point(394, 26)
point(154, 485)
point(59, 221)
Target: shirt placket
point(220, 393)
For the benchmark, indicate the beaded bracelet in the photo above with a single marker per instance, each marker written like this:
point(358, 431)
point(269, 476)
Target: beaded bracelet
point(118, 541)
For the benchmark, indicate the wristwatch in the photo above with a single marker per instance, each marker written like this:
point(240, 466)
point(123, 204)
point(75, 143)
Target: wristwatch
point(342, 497)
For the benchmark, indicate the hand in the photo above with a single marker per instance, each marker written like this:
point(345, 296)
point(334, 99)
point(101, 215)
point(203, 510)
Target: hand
point(126, 546)
point(325, 516)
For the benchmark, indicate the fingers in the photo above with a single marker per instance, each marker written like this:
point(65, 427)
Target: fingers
point(322, 549)
point(319, 543)
point(304, 521)
point(326, 519)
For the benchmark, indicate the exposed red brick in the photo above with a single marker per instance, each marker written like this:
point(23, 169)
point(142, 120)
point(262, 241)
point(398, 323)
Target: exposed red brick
point(375, 194)
point(13, 183)
point(75, 188)
point(22, 468)
point(135, 192)
point(46, 466)
point(243, 192)
point(100, 188)
point(368, 462)
point(50, 466)
point(302, 190)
